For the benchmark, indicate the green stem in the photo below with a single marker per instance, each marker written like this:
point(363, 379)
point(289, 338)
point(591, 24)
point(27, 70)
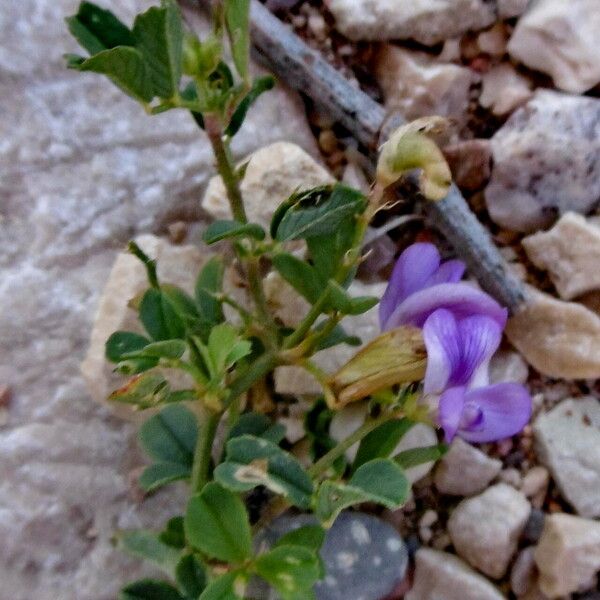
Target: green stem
point(367, 427)
point(306, 323)
point(202, 455)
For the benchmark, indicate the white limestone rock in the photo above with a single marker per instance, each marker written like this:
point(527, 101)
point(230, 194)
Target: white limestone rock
point(464, 470)
point(485, 529)
point(417, 85)
point(546, 161)
point(568, 554)
point(570, 252)
point(560, 339)
point(568, 443)
point(507, 9)
point(272, 175)
point(561, 39)
point(443, 576)
point(504, 89)
point(508, 366)
point(426, 21)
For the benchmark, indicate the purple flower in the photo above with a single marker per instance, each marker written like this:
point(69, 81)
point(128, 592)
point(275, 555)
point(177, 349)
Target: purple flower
point(462, 328)
point(420, 284)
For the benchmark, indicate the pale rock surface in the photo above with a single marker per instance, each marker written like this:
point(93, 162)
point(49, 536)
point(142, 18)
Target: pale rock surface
point(348, 419)
point(560, 339)
point(272, 175)
point(417, 85)
point(561, 39)
point(485, 529)
point(508, 9)
point(82, 171)
point(493, 41)
point(523, 572)
point(504, 89)
point(508, 366)
point(568, 443)
point(426, 21)
point(291, 309)
point(570, 252)
point(546, 161)
point(443, 576)
point(568, 554)
point(464, 470)
point(470, 163)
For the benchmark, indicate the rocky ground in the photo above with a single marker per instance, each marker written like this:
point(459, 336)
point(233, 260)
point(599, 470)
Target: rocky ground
point(83, 170)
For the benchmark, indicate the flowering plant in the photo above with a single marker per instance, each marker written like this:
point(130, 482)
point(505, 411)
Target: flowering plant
point(435, 330)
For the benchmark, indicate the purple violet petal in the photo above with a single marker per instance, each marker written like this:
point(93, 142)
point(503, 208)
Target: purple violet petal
point(444, 351)
point(505, 408)
point(462, 299)
point(413, 268)
point(479, 339)
point(450, 411)
point(450, 271)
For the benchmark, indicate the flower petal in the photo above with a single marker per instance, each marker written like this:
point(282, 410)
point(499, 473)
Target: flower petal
point(413, 268)
point(479, 339)
point(462, 299)
point(444, 352)
point(450, 410)
point(450, 271)
point(506, 409)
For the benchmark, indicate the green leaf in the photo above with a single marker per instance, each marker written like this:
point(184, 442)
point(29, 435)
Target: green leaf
point(316, 424)
point(381, 442)
point(160, 474)
point(291, 570)
point(418, 456)
point(208, 284)
point(126, 68)
point(173, 534)
point(121, 343)
point(380, 481)
point(309, 536)
point(216, 523)
point(221, 230)
point(225, 347)
point(253, 461)
point(159, 37)
point(237, 17)
point(259, 86)
point(148, 589)
point(224, 587)
point(258, 425)
point(172, 349)
point(148, 546)
point(300, 275)
point(142, 391)
point(181, 302)
point(97, 29)
point(190, 575)
point(159, 317)
point(319, 214)
point(336, 337)
point(361, 304)
point(170, 436)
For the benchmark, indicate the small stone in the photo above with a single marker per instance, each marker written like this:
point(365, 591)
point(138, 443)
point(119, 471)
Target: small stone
point(450, 51)
point(177, 232)
point(546, 161)
point(560, 339)
point(568, 443)
point(508, 366)
point(522, 574)
point(317, 25)
point(470, 163)
point(327, 141)
point(351, 417)
point(443, 576)
point(568, 554)
point(493, 41)
point(272, 175)
point(573, 268)
point(485, 529)
point(511, 477)
point(417, 86)
point(428, 519)
point(427, 21)
point(534, 526)
point(464, 470)
point(507, 9)
point(504, 89)
point(561, 39)
point(425, 534)
point(535, 481)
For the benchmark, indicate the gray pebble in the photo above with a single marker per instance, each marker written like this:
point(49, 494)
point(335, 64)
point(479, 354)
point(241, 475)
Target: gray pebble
point(534, 526)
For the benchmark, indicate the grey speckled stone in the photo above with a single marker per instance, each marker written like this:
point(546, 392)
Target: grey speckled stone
point(546, 161)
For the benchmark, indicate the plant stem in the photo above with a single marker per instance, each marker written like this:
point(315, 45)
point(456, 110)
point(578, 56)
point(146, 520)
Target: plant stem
point(202, 455)
point(367, 427)
point(303, 328)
